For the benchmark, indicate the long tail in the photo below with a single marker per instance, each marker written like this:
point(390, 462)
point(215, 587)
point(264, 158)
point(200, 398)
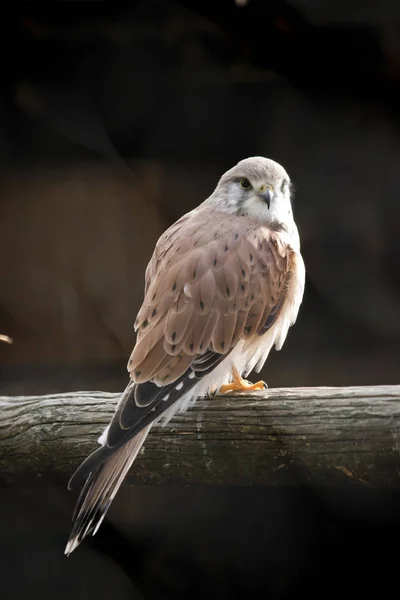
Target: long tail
point(100, 489)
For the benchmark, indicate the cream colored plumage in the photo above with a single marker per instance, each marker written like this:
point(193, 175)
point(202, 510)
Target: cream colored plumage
point(223, 286)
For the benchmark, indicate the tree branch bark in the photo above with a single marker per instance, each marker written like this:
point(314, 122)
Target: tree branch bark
point(323, 436)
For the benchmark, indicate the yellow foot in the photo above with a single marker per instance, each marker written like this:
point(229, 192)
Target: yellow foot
point(241, 385)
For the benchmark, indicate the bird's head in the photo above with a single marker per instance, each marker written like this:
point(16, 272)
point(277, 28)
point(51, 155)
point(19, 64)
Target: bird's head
point(258, 188)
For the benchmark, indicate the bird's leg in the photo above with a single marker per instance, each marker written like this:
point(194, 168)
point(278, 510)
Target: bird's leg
point(241, 385)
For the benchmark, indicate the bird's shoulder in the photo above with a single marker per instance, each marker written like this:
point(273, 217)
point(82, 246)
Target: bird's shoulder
point(204, 228)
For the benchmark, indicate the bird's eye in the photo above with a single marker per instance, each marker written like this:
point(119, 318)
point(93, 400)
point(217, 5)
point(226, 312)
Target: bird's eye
point(284, 186)
point(245, 183)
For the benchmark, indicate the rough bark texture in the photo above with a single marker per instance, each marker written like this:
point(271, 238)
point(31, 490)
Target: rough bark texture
point(323, 436)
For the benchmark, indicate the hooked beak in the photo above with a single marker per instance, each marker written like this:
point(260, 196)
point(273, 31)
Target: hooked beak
point(266, 195)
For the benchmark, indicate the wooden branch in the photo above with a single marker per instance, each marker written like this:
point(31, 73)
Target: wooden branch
point(323, 436)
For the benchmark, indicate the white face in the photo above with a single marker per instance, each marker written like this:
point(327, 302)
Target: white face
point(267, 201)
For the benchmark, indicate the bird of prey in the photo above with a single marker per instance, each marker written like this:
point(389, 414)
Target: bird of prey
point(223, 286)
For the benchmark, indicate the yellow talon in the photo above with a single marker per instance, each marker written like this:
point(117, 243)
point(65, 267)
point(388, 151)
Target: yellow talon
point(241, 385)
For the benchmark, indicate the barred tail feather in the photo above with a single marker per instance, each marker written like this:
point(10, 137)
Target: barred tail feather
point(100, 488)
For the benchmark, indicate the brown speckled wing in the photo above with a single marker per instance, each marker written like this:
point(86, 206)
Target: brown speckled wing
point(213, 279)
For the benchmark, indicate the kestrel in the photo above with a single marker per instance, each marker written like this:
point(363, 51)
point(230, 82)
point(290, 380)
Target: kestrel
point(223, 286)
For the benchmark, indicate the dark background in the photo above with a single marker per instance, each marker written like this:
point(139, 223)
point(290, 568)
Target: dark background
point(114, 120)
